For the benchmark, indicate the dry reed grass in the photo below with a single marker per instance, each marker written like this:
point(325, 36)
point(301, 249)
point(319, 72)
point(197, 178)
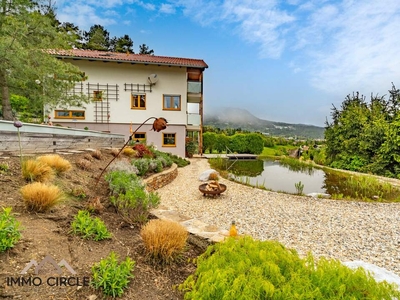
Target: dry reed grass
point(40, 197)
point(34, 170)
point(56, 162)
point(84, 164)
point(88, 157)
point(164, 239)
point(96, 154)
point(114, 151)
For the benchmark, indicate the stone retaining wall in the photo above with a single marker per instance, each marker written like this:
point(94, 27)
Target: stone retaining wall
point(156, 181)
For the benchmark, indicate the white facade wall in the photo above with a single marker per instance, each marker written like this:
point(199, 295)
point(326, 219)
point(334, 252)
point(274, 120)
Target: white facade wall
point(171, 81)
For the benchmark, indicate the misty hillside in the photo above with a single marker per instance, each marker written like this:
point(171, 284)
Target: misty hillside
point(229, 117)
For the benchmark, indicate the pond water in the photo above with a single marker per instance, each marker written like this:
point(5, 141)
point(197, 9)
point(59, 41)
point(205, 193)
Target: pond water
point(282, 177)
point(277, 177)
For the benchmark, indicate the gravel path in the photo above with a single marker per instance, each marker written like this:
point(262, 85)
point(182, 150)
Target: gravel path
point(345, 230)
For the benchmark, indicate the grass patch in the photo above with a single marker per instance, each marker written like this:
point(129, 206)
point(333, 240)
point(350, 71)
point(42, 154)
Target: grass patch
point(40, 197)
point(276, 151)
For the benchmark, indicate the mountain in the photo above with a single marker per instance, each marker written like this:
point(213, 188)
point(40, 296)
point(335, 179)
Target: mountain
point(229, 117)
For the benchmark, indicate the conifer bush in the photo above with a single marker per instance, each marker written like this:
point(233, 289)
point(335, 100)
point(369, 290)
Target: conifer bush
point(164, 239)
point(247, 269)
point(40, 197)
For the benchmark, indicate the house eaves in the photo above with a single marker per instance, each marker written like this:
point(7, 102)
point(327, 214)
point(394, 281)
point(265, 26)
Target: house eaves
point(92, 55)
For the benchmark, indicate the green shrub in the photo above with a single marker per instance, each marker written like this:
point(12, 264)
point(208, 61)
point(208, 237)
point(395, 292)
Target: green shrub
point(9, 230)
point(255, 143)
point(89, 228)
point(156, 165)
point(191, 147)
point(164, 157)
point(238, 143)
point(352, 163)
point(112, 277)
point(121, 181)
point(4, 168)
point(222, 141)
point(142, 165)
point(247, 269)
point(134, 205)
point(179, 161)
point(123, 165)
point(209, 140)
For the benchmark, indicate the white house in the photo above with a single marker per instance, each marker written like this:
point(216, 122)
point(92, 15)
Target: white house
point(126, 89)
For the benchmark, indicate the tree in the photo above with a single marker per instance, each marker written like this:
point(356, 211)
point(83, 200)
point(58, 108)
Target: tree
point(144, 49)
point(26, 68)
point(363, 136)
point(74, 32)
point(122, 44)
point(97, 38)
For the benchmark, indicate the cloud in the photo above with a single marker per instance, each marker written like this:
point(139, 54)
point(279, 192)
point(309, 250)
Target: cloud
point(83, 16)
point(358, 47)
point(167, 8)
point(85, 13)
point(339, 45)
point(258, 22)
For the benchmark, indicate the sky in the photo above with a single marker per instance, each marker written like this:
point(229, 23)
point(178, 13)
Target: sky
point(285, 61)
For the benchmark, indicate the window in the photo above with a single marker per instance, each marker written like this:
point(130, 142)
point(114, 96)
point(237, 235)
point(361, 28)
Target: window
point(139, 137)
point(69, 114)
point(172, 102)
point(97, 95)
point(138, 101)
point(169, 139)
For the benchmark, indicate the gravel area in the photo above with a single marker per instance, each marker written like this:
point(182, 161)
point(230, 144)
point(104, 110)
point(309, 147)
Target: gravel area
point(345, 230)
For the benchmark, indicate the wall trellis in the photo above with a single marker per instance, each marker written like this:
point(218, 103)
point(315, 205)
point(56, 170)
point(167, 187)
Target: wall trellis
point(138, 88)
point(101, 103)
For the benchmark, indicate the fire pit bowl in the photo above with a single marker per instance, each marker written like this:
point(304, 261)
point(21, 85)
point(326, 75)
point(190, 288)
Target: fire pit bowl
point(206, 192)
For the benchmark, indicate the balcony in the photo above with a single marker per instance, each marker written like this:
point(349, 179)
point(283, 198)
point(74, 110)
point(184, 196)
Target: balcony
point(194, 92)
point(193, 122)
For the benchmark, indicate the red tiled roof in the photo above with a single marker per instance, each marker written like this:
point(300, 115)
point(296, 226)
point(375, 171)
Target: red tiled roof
point(133, 58)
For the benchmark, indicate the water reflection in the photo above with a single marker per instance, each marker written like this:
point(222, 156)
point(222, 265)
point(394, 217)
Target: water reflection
point(276, 176)
point(282, 176)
